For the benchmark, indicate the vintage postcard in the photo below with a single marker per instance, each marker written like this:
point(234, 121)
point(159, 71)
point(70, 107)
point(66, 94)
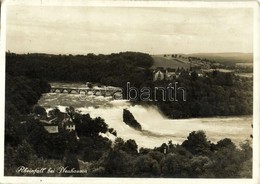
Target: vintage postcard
point(129, 91)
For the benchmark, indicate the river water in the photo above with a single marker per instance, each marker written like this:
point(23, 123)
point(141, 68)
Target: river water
point(157, 128)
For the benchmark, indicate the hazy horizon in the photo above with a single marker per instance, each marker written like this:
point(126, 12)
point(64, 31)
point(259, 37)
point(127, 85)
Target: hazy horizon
point(130, 51)
point(106, 30)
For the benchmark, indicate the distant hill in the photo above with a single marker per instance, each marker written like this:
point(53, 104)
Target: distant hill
point(182, 59)
point(161, 61)
point(226, 57)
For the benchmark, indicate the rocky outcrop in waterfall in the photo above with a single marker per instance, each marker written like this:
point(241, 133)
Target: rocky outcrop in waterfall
point(129, 119)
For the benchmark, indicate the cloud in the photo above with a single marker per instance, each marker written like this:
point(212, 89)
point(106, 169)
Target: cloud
point(80, 30)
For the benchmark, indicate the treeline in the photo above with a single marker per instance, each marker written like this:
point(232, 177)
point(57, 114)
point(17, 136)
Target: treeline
point(196, 157)
point(216, 94)
point(28, 144)
point(114, 69)
point(36, 147)
point(21, 93)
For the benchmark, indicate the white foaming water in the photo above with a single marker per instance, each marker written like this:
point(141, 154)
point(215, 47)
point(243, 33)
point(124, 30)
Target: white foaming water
point(156, 128)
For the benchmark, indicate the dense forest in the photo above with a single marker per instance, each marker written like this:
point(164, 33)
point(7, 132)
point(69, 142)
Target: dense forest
point(196, 157)
point(216, 94)
point(21, 93)
point(28, 144)
point(114, 69)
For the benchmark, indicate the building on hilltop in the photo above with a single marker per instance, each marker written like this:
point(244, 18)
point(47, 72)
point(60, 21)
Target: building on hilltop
point(170, 74)
point(164, 74)
point(68, 124)
point(158, 75)
point(50, 126)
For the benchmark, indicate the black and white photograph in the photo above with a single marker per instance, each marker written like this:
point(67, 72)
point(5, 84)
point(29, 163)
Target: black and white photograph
point(133, 90)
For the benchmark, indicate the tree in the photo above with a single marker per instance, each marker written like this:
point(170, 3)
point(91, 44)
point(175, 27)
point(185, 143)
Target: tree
point(175, 165)
point(38, 110)
point(130, 146)
point(246, 169)
point(23, 155)
point(100, 125)
point(119, 143)
point(225, 163)
point(156, 155)
point(38, 139)
point(226, 143)
point(117, 163)
point(194, 76)
point(146, 166)
point(197, 143)
point(71, 111)
point(112, 131)
point(246, 150)
point(198, 167)
point(10, 164)
point(71, 162)
point(54, 112)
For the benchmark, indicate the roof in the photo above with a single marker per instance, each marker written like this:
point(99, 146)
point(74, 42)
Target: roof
point(171, 69)
point(68, 122)
point(48, 122)
point(159, 72)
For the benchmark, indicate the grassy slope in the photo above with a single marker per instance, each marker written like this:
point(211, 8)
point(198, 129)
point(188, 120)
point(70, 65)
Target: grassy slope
point(160, 61)
point(228, 58)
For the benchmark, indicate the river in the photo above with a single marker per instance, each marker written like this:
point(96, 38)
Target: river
point(157, 128)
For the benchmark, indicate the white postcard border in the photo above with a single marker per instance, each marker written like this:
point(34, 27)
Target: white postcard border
point(256, 116)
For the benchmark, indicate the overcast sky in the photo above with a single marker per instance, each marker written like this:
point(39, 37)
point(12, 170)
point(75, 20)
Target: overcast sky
point(104, 30)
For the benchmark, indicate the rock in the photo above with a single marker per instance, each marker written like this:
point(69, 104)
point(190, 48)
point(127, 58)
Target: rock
point(129, 119)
